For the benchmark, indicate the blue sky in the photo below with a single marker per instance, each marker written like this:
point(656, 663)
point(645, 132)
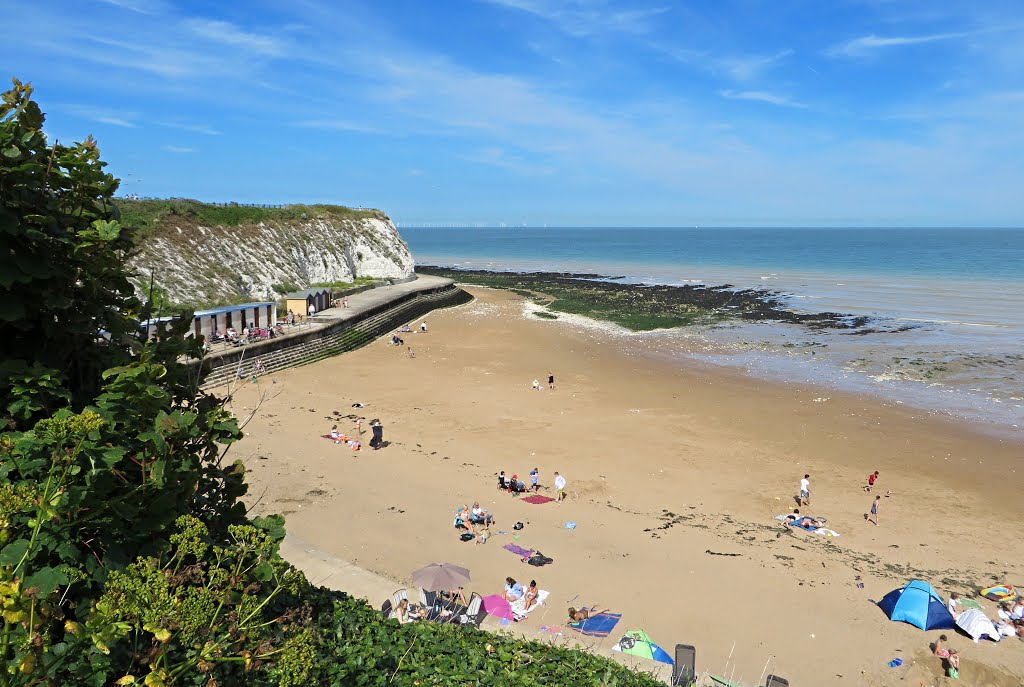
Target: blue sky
point(582, 112)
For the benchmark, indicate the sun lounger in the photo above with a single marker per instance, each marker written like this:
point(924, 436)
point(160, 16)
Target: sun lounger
point(684, 672)
point(776, 681)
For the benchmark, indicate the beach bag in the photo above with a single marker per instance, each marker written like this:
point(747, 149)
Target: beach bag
point(518, 526)
point(466, 536)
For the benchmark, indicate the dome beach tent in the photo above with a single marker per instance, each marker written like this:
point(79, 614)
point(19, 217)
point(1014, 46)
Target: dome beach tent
point(917, 604)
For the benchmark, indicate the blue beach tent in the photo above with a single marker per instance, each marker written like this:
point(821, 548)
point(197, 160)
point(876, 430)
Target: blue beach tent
point(917, 604)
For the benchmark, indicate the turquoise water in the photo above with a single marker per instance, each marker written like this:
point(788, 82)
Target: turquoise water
point(961, 291)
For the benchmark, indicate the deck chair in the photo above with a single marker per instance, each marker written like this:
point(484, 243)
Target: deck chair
point(398, 597)
point(776, 681)
point(475, 613)
point(424, 601)
point(684, 672)
point(386, 608)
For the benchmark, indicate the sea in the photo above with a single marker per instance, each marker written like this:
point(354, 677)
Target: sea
point(947, 305)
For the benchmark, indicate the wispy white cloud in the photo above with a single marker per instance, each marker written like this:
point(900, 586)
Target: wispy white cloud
point(229, 34)
point(194, 128)
point(739, 68)
point(140, 6)
point(179, 149)
point(751, 67)
point(762, 97)
point(101, 116)
point(866, 45)
point(338, 125)
point(581, 18)
point(498, 157)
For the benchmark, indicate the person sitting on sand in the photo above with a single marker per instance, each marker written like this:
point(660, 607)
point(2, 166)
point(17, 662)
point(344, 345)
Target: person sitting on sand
point(1009, 629)
point(502, 483)
point(1004, 612)
point(516, 486)
point(513, 590)
point(334, 433)
point(466, 518)
point(1018, 610)
point(536, 385)
point(404, 616)
point(795, 515)
point(480, 515)
point(530, 596)
point(483, 533)
point(950, 657)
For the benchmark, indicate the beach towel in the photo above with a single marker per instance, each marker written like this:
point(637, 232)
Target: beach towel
point(519, 609)
point(537, 498)
point(600, 625)
point(827, 532)
point(970, 603)
point(518, 550)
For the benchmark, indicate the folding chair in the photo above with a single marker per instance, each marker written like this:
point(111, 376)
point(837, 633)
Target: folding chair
point(475, 613)
point(776, 681)
point(684, 672)
point(399, 597)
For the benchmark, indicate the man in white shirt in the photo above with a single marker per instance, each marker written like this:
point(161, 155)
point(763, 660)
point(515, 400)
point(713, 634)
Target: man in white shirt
point(560, 487)
point(312, 310)
point(805, 491)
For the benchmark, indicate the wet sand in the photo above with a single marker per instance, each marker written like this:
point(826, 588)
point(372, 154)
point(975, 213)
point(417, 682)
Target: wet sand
point(667, 466)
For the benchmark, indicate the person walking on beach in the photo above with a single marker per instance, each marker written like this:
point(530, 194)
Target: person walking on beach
point(378, 434)
point(874, 511)
point(805, 491)
point(535, 479)
point(423, 327)
point(551, 381)
point(412, 354)
point(312, 310)
point(871, 480)
point(559, 488)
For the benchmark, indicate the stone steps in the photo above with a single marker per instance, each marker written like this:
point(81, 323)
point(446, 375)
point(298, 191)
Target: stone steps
point(353, 334)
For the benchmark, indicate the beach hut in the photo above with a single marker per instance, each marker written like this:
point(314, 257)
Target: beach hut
point(299, 301)
point(917, 604)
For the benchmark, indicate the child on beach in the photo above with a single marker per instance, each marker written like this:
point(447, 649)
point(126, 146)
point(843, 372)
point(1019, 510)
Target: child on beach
point(335, 435)
point(535, 479)
point(949, 656)
point(874, 511)
point(871, 480)
point(953, 605)
point(805, 491)
point(502, 484)
point(559, 488)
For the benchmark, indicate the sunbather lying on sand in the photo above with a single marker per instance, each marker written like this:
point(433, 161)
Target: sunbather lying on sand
point(583, 613)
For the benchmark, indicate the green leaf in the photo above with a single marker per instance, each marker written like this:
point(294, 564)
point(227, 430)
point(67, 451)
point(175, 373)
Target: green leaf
point(12, 152)
point(13, 552)
point(46, 579)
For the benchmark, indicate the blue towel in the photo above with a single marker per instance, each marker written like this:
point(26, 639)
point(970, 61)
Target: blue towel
point(599, 625)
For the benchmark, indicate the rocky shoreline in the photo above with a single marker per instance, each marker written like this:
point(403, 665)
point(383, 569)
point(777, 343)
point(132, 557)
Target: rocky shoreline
point(637, 306)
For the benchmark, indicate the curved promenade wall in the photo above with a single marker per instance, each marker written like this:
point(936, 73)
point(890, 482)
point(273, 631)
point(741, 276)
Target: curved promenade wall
point(379, 312)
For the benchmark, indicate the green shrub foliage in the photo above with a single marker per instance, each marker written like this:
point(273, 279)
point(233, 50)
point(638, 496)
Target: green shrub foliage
point(126, 556)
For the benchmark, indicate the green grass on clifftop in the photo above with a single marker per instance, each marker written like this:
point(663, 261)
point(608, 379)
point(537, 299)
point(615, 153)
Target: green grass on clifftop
point(146, 215)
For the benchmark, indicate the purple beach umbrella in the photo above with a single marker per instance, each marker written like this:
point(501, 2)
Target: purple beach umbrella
point(498, 606)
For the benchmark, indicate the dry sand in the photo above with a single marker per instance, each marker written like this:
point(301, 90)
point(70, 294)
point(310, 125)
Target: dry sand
point(666, 465)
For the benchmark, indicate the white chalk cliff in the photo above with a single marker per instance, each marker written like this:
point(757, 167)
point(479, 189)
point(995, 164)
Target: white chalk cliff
point(202, 265)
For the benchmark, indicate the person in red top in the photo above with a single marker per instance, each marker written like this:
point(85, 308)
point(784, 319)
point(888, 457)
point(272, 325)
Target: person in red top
point(871, 480)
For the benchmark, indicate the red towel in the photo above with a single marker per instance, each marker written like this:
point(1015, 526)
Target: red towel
point(537, 498)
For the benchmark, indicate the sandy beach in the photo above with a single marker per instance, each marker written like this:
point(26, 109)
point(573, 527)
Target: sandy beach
point(667, 466)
